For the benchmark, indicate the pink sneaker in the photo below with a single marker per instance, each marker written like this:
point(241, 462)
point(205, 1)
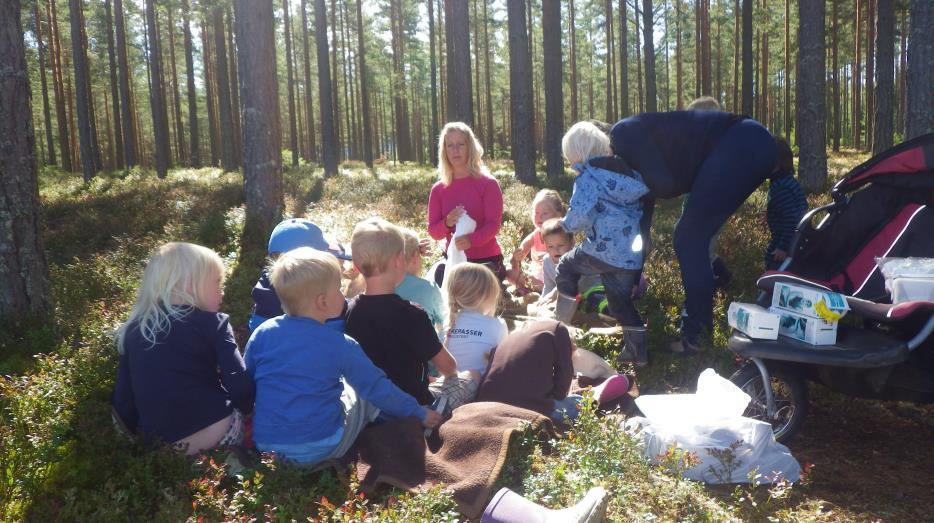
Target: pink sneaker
point(612, 388)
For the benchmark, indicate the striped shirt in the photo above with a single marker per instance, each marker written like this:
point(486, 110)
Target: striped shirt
point(786, 206)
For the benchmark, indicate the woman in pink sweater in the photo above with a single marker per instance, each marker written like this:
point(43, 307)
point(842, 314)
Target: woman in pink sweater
point(466, 186)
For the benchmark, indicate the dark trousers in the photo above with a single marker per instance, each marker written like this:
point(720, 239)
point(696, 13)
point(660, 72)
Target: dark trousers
point(737, 165)
point(494, 263)
point(617, 282)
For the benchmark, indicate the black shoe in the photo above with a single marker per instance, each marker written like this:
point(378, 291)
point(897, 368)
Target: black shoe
point(721, 275)
point(635, 347)
point(685, 348)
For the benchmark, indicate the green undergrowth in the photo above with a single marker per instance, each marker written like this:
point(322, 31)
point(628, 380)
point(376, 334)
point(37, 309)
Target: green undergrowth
point(61, 459)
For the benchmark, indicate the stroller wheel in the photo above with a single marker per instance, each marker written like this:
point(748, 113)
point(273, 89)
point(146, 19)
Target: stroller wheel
point(791, 399)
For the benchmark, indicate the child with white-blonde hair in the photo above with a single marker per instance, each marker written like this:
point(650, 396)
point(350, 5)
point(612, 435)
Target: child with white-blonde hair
point(473, 330)
point(546, 205)
point(181, 378)
point(416, 289)
point(605, 204)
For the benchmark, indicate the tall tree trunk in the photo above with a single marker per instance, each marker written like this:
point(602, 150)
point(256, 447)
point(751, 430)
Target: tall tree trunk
point(231, 56)
point(82, 90)
point(194, 145)
point(719, 91)
point(46, 112)
point(443, 63)
point(736, 54)
point(176, 98)
point(920, 97)
point(325, 103)
point(787, 76)
point(262, 143)
point(25, 292)
point(58, 78)
point(747, 107)
point(349, 102)
point(857, 80)
point(222, 85)
point(486, 79)
point(706, 77)
point(870, 71)
point(624, 59)
point(478, 91)
point(812, 137)
point(402, 138)
point(835, 73)
point(160, 120)
point(70, 106)
point(460, 100)
point(648, 27)
point(207, 56)
point(679, 72)
point(433, 71)
point(365, 92)
point(293, 128)
point(309, 106)
point(554, 98)
point(520, 81)
point(575, 81)
point(335, 79)
point(902, 70)
point(610, 61)
point(885, 73)
point(114, 88)
point(635, 14)
point(126, 114)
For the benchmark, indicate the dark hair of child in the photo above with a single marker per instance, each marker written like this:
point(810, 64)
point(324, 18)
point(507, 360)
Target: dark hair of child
point(786, 159)
point(553, 226)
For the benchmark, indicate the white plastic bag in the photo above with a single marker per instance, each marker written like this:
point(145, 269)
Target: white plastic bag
point(908, 279)
point(465, 225)
point(710, 424)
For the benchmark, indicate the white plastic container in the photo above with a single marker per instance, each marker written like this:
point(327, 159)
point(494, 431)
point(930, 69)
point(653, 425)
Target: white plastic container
point(809, 301)
point(807, 329)
point(912, 289)
point(754, 321)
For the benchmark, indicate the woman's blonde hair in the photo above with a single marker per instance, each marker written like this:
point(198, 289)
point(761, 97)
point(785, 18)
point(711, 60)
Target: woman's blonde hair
point(474, 153)
point(584, 141)
point(173, 281)
point(552, 197)
point(471, 286)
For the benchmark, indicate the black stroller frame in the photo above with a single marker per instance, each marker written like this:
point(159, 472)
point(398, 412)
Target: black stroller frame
point(893, 215)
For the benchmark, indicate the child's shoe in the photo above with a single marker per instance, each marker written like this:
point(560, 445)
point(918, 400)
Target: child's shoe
point(612, 388)
point(509, 507)
point(635, 346)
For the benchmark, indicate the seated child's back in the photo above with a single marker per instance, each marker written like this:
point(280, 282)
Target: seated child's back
point(473, 293)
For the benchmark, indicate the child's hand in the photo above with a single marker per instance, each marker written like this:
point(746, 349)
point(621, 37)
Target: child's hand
point(779, 255)
point(424, 246)
point(432, 418)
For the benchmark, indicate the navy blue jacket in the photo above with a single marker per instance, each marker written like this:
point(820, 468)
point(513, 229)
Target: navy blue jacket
point(193, 377)
point(786, 206)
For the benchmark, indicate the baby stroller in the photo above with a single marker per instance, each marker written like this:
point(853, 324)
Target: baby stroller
point(882, 208)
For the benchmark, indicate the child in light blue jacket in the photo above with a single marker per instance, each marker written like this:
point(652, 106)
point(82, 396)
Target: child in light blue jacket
point(604, 206)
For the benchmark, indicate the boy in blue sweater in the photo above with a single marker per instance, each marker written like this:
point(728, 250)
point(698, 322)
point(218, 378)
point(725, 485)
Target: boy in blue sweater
point(786, 206)
point(315, 388)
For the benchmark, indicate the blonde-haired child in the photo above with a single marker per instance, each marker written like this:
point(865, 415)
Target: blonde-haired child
point(473, 329)
point(546, 205)
point(180, 378)
point(416, 289)
point(316, 389)
point(606, 204)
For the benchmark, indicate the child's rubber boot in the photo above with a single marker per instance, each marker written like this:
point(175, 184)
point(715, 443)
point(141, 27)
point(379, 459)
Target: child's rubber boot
point(565, 307)
point(635, 346)
point(509, 507)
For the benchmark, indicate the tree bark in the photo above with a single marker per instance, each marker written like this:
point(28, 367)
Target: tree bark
point(61, 115)
point(554, 98)
point(610, 62)
point(365, 92)
point(835, 73)
point(182, 154)
point(262, 143)
point(706, 77)
point(433, 72)
point(402, 130)
point(222, 85)
point(126, 117)
point(46, 112)
point(210, 91)
point(520, 81)
point(920, 97)
point(736, 55)
point(335, 80)
point(460, 99)
point(747, 107)
point(648, 26)
point(25, 291)
point(575, 82)
point(640, 100)
point(488, 55)
point(812, 137)
point(328, 138)
point(679, 71)
point(870, 71)
point(885, 72)
point(160, 121)
point(114, 88)
point(787, 83)
point(902, 70)
point(194, 145)
point(624, 59)
point(293, 128)
point(309, 106)
point(231, 57)
point(89, 156)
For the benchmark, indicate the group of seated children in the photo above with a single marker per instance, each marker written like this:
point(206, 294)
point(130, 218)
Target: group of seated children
point(318, 368)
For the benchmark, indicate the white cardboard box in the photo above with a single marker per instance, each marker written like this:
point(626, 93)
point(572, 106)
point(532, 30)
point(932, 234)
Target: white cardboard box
point(754, 321)
point(807, 329)
point(805, 300)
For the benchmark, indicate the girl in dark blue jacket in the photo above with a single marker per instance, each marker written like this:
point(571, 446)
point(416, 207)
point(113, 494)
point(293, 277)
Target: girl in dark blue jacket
point(720, 159)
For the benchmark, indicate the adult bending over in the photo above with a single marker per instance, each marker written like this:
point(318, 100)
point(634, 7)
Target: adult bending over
point(466, 186)
point(719, 158)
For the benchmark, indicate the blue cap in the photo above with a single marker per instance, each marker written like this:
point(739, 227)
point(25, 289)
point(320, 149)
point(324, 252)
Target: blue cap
point(299, 232)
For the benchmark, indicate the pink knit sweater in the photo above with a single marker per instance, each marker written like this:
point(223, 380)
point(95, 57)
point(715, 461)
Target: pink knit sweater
point(483, 200)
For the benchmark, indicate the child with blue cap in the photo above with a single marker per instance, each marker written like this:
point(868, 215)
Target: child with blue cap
point(288, 235)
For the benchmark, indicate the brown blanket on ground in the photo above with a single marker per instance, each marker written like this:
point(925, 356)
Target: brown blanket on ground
point(466, 453)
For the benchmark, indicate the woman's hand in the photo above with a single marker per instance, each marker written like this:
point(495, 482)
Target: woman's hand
point(451, 219)
point(462, 243)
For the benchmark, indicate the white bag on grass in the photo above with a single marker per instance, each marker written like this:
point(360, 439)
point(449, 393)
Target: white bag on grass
point(710, 424)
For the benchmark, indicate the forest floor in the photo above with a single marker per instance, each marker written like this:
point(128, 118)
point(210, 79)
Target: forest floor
point(60, 459)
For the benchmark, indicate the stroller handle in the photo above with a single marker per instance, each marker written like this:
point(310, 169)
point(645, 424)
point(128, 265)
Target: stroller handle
point(805, 228)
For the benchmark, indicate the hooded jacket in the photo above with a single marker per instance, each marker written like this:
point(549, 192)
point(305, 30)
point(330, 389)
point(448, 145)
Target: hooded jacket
point(605, 206)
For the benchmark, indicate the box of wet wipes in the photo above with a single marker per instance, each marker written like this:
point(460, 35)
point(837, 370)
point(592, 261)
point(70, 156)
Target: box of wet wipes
point(754, 321)
point(807, 329)
point(809, 301)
